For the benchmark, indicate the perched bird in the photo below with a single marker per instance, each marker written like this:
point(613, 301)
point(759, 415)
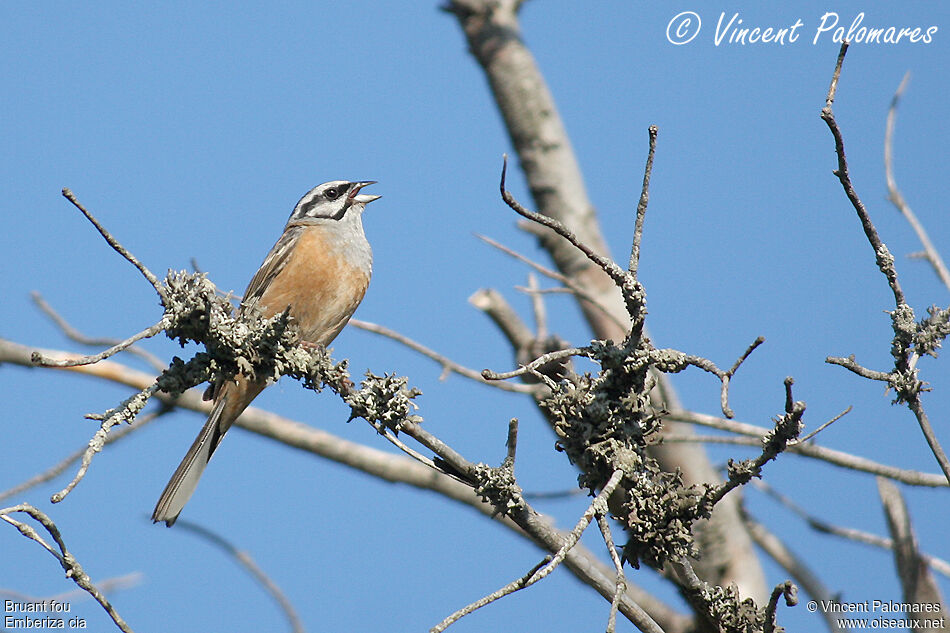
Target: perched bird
point(319, 269)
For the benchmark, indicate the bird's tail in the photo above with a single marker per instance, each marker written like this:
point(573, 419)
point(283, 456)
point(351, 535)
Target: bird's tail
point(231, 401)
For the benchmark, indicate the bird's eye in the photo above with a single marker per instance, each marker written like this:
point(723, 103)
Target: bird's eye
point(332, 193)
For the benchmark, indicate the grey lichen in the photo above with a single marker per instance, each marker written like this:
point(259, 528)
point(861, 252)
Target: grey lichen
point(384, 399)
point(498, 487)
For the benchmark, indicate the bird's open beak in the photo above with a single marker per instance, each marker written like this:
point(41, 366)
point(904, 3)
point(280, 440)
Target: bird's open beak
point(364, 198)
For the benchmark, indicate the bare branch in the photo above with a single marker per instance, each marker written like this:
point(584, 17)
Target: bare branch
point(126, 411)
point(117, 247)
point(725, 377)
point(605, 263)
point(917, 582)
point(247, 562)
point(918, 409)
point(810, 449)
point(70, 565)
point(537, 362)
point(58, 469)
point(859, 536)
point(537, 306)
point(823, 426)
point(885, 261)
point(850, 364)
point(642, 205)
point(75, 335)
point(39, 359)
point(598, 506)
point(796, 568)
point(512, 443)
point(569, 284)
point(787, 589)
point(604, 526)
point(448, 365)
point(931, 254)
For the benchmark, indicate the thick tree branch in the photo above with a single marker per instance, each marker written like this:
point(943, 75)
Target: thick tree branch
point(392, 468)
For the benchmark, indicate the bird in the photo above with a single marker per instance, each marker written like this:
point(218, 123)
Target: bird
point(318, 271)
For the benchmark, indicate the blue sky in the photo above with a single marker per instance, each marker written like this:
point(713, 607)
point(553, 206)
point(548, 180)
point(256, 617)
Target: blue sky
point(191, 130)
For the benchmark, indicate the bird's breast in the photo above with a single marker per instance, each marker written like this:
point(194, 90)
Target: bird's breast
point(323, 282)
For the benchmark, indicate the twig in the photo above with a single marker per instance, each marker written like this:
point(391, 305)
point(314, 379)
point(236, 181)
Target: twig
point(59, 468)
point(885, 261)
point(447, 364)
point(247, 562)
point(859, 536)
point(787, 589)
point(917, 582)
point(511, 443)
point(117, 247)
point(604, 526)
point(537, 306)
point(569, 285)
point(851, 365)
point(70, 565)
point(75, 335)
point(823, 426)
point(124, 412)
point(39, 359)
point(642, 205)
point(796, 568)
point(903, 379)
point(918, 408)
point(931, 254)
point(787, 428)
point(812, 450)
point(106, 586)
point(598, 506)
point(727, 377)
point(544, 359)
point(614, 271)
point(416, 455)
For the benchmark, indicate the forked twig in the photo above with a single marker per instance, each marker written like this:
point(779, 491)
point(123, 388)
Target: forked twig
point(127, 410)
point(598, 506)
point(931, 254)
point(615, 272)
point(75, 335)
point(70, 565)
point(904, 377)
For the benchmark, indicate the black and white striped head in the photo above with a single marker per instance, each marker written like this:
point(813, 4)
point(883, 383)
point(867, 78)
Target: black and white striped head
point(332, 200)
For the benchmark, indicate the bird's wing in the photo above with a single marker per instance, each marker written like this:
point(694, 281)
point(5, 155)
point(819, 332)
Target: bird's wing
point(273, 263)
